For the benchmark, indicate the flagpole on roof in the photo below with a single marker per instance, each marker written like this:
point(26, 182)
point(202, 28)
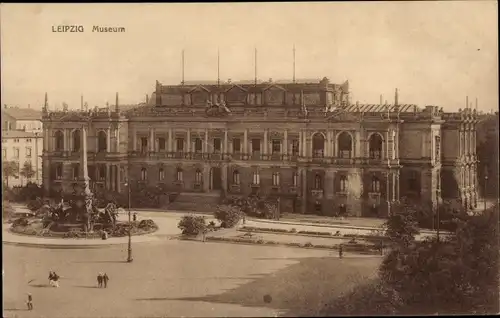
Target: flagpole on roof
point(182, 83)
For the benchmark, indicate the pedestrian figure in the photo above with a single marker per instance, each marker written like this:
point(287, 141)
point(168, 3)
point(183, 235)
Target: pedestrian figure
point(51, 278)
point(99, 280)
point(55, 279)
point(105, 279)
point(134, 217)
point(341, 251)
point(30, 302)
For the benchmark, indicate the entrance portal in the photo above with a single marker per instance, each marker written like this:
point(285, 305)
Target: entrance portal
point(215, 174)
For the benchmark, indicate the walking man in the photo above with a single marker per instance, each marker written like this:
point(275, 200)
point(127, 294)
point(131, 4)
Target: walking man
point(55, 279)
point(99, 280)
point(341, 251)
point(30, 302)
point(105, 279)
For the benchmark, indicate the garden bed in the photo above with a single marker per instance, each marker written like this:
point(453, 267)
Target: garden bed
point(35, 229)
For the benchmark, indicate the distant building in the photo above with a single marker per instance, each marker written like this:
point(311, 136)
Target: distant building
point(302, 141)
point(23, 147)
point(487, 139)
point(25, 119)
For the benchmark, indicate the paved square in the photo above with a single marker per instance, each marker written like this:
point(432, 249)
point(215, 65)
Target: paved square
point(167, 279)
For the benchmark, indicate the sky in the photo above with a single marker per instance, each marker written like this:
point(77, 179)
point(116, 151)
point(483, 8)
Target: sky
point(435, 53)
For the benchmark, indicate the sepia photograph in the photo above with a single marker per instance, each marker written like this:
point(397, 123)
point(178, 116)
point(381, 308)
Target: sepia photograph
point(246, 159)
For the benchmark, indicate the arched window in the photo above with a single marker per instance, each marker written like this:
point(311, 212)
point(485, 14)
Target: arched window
point(343, 184)
point(59, 171)
point(102, 143)
point(295, 179)
point(318, 182)
point(179, 175)
point(198, 177)
point(236, 177)
point(256, 177)
point(345, 145)
point(76, 140)
point(59, 139)
point(318, 144)
point(375, 146)
point(144, 174)
point(161, 174)
point(375, 184)
point(276, 178)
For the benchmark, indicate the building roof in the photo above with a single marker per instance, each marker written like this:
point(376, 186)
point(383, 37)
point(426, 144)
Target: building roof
point(23, 113)
point(380, 108)
point(19, 134)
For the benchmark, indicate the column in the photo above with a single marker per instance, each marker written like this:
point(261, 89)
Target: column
point(113, 177)
point(225, 151)
point(285, 143)
point(245, 142)
point(393, 187)
point(460, 142)
point(266, 144)
point(303, 187)
point(357, 144)
point(328, 144)
point(301, 143)
point(397, 187)
point(108, 140)
point(45, 139)
point(169, 143)
point(334, 148)
point(206, 178)
point(84, 162)
point(152, 139)
point(65, 139)
point(188, 140)
point(118, 178)
point(117, 139)
point(224, 177)
point(134, 139)
point(388, 187)
point(205, 148)
point(108, 176)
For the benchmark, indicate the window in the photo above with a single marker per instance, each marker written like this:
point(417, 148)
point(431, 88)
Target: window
point(236, 145)
point(16, 140)
point(236, 177)
point(28, 140)
point(343, 184)
point(180, 144)
point(295, 179)
point(59, 172)
point(144, 174)
point(144, 144)
point(345, 145)
point(255, 145)
point(217, 144)
point(413, 181)
point(198, 145)
point(4, 153)
point(256, 177)
point(161, 144)
point(318, 182)
point(276, 178)
point(28, 152)
point(375, 146)
point(59, 137)
point(295, 147)
point(375, 185)
point(102, 172)
point(318, 144)
point(198, 177)
point(76, 140)
point(276, 146)
point(76, 171)
point(102, 142)
point(16, 152)
point(161, 174)
point(178, 177)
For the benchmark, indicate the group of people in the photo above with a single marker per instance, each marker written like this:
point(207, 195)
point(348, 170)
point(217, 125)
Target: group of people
point(53, 279)
point(102, 280)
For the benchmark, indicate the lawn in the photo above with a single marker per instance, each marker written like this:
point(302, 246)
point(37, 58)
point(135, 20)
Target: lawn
point(179, 278)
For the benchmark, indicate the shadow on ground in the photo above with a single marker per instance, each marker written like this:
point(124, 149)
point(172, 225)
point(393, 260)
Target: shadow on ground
point(303, 288)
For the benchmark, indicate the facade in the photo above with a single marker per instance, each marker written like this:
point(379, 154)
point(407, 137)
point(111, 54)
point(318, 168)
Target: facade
point(25, 119)
point(303, 142)
point(21, 147)
point(487, 139)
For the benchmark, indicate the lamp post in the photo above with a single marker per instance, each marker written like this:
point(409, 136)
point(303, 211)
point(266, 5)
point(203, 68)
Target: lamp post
point(129, 250)
point(485, 189)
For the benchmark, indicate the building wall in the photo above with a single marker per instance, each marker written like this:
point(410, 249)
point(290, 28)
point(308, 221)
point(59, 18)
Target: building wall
point(28, 150)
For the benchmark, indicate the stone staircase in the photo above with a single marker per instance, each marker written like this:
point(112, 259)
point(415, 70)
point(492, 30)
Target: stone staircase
point(196, 201)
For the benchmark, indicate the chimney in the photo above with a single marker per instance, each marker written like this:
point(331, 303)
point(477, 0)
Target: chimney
point(396, 98)
point(117, 107)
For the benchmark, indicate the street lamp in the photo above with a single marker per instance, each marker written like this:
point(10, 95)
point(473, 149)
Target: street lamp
point(485, 185)
point(129, 250)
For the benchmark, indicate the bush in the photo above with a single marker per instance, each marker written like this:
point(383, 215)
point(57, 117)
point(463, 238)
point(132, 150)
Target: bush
point(20, 222)
point(35, 204)
point(315, 233)
point(308, 244)
point(192, 225)
point(147, 225)
point(228, 215)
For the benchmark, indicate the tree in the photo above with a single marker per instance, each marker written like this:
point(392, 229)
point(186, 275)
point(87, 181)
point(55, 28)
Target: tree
point(9, 169)
point(27, 170)
point(402, 225)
